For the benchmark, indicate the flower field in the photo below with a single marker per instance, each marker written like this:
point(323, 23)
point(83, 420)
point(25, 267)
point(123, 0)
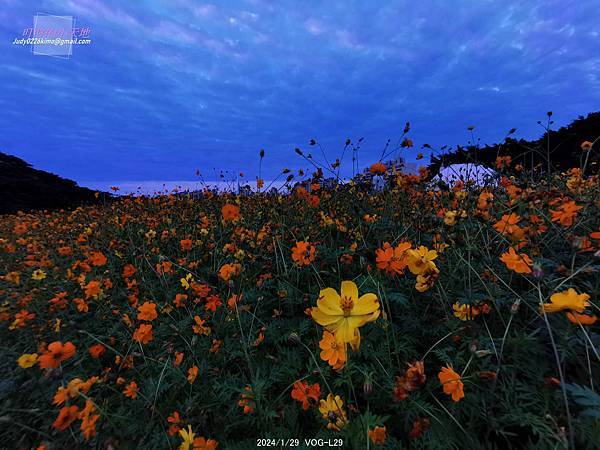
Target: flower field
point(415, 316)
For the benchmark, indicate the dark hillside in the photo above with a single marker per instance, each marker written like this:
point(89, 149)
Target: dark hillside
point(563, 146)
point(24, 188)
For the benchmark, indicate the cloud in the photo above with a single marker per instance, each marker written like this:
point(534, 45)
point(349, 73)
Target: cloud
point(168, 87)
point(314, 27)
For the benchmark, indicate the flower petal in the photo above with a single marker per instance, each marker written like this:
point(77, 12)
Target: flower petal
point(366, 304)
point(325, 319)
point(349, 290)
point(329, 302)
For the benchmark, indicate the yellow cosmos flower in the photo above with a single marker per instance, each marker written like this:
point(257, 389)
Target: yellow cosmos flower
point(344, 314)
point(38, 275)
point(421, 259)
point(569, 299)
point(332, 411)
point(185, 282)
point(450, 218)
point(188, 438)
point(461, 311)
point(27, 360)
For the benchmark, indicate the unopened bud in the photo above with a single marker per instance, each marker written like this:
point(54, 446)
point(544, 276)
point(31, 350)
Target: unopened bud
point(367, 387)
point(474, 346)
point(515, 306)
point(294, 338)
point(537, 271)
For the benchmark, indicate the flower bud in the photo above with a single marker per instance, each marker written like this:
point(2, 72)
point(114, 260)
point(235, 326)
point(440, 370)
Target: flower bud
point(515, 307)
point(474, 345)
point(294, 338)
point(368, 387)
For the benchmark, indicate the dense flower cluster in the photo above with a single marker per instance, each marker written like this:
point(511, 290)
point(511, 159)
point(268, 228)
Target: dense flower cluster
point(387, 317)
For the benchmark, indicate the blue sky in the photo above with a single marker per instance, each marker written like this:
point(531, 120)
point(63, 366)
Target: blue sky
point(168, 87)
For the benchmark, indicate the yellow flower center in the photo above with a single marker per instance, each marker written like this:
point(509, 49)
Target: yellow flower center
point(346, 303)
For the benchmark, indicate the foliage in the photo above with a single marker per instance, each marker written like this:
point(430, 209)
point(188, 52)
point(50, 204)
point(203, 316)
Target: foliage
point(149, 290)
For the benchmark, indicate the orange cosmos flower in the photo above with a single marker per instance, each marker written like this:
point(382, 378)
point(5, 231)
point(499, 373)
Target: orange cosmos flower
point(13, 277)
point(378, 168)
point(410, 381)
point(131, 390)
point(55, 354)
point(186, 244)
point(452, 383)
point(21, 319)
point(228, 271)
point(66, 416)
point(230, 212)
point(97, 259)
point(88, 419)
point(392, 260)
point(93, 289)
point(568, 299)
point(519, 262)
point(201, 443)
point(247, 400)
point(233, 300)
point(566, 213)
point(503, 161)
point(143, 334)
point(484, 201)
point(212, 303)
point(179, 300)
point(305, 394)
point(175, 420)
point(61, 396)
point(128, 271)
point(199, 328)
point(378, 435)
point(82, 306)
point(216, 346)
point(420, 425)
point(508, 224)
point(192, 374)
point(332, 352)
point(582, 319)
point(65, 251)
point(96, 350)
point(164, 267)
point(303, 253)
point(178, 359)
point(147, 311)
point(88, 425)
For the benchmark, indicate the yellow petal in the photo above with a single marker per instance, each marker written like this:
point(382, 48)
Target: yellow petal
point(349, 290)
point(329, 302)
point(325, 319)
point(347, 327)
point(366, 304)
point(344, 333)
point(355, 343)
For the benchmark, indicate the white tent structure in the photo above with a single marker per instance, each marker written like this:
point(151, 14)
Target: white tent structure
point(478, 174)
